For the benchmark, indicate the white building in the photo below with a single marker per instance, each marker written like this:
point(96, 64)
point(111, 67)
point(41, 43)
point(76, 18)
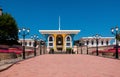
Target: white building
point(102, 41)
point(28, 42)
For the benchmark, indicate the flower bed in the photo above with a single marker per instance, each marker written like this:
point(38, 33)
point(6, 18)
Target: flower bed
point(107, 52)
point(16, 51)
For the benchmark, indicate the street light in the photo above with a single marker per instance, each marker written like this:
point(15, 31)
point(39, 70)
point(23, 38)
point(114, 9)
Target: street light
point(97, 37)
point(34, 37)
point(77, 48)
point(40, 47)
point(87, 42)
point(81, 47)
point(42, 43)
point(80, 44)
point(23, 32)
point(116, 36)
point(87, 48)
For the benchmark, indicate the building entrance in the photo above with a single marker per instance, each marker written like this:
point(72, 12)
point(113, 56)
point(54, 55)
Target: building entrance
point(59, 42)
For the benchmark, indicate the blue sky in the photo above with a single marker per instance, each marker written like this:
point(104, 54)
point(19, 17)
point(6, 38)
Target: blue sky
point(90, 16)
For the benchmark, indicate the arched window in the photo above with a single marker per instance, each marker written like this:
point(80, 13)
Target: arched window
point(92, 42)
point(50, 38)
point(101, 42)
point(29, 43)
point(87, 42)
point(68, 38)
point(107, 42)
point(50, 41)
point(59, 40)
point(68, 41)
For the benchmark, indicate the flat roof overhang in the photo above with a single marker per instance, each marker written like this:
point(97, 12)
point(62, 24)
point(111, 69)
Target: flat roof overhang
point(59, 31)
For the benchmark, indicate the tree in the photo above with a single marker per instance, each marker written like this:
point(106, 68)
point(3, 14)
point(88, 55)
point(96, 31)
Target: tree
point(8, 30)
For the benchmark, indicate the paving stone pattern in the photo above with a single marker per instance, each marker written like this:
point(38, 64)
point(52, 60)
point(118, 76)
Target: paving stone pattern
point(64, 65)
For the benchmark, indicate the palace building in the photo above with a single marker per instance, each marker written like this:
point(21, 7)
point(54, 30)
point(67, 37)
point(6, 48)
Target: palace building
point(91, 42)
point(59, 39)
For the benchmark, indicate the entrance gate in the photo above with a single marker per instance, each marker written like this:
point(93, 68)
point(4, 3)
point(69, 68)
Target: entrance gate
point(59, 42)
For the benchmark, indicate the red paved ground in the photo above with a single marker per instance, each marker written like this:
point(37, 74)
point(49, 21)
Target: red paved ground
point(65, 66)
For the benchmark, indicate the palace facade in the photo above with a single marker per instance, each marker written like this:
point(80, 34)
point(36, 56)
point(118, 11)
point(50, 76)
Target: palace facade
point(102, 41)
point(59, 40)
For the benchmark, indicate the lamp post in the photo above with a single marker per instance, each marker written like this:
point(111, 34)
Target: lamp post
point(116, 36)
point(23, 32)
point(87, 49)
point(43, 47)
point(97, 37)
point(87, 42)
point(81, 48)
point(40, 47)
point(42, 43)
point(34, 37)
point(77, 48)
point(80, 44)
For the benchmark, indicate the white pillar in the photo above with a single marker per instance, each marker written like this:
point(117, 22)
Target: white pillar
point(27, 43)
point(32, 43)
point(99, 42)
point(104, 42)
point(85, 42)
point(108, 42)
point(90, 43)
point(94, 43)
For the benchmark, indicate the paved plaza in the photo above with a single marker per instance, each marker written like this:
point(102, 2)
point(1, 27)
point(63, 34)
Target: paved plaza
point(64, 65)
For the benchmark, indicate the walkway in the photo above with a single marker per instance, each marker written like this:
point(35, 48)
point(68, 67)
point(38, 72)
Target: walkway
point(64, 65)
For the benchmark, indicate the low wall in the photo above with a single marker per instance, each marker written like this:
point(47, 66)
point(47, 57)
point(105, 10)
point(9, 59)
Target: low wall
point(4, 56)
point(90, 49)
